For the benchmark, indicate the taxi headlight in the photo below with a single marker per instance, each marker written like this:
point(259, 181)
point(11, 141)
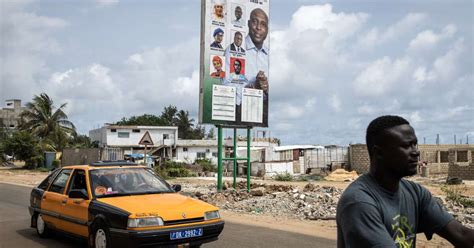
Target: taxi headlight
point(212, 215)
point(145, 222)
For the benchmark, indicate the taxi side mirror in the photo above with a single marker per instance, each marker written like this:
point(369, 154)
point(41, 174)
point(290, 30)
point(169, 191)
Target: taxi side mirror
point(176, 187)
point(78, 193)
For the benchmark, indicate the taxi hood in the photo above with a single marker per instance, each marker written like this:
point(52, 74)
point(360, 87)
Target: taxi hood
point(168, 206)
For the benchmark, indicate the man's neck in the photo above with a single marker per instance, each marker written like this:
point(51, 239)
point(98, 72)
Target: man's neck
point(384, 178)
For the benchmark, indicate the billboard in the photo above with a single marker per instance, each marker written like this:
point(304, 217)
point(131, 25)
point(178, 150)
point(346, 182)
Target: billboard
point(234, 73)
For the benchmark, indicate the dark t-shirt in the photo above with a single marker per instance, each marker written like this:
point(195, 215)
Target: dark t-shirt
point(371, 216)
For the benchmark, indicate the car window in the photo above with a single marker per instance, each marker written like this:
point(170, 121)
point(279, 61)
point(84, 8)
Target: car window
point(126, 181)
point(47, 181)
point(59, 183)
point(78, 181)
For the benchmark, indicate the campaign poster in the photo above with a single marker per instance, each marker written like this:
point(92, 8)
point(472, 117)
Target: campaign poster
point(235, 50)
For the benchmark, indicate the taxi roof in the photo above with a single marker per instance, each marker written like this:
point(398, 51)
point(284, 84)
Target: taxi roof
point(108, 164)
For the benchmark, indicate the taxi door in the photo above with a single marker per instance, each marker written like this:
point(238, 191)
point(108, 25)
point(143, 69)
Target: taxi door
point(75, 210)
point(53, 198)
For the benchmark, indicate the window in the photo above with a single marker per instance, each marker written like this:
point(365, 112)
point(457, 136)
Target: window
point(9, 104)
point(136, 130)
point(78, 181)
point(185, 149)
point(214, 154)
point(46, 182)
point(201, 155)
point(208, 150)
point(113, 130)
point(462, 156)
point(12, 125)
point(59, 184)
point(166, 136)
point(123, 134)
point(444, 156)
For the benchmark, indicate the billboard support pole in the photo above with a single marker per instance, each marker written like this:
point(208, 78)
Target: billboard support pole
point(219, 158)
point(235, 158)
point(248, 159)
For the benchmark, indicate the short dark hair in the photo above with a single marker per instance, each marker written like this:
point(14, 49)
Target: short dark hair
point(378, 126)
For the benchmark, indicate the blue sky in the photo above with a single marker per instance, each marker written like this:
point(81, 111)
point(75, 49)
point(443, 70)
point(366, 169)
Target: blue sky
point(334, 65)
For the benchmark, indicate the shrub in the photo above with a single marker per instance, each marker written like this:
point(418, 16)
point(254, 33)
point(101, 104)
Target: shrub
point(206, 165)
point(172, 169)
point(284, 177)
point(455, 194)
point(56, 163)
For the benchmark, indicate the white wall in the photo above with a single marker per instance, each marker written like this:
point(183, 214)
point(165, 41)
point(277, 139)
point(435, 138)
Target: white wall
point(190, 155)
point(282, 167)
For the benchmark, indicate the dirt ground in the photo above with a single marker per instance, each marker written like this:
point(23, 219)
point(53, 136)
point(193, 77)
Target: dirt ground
point(320, 228)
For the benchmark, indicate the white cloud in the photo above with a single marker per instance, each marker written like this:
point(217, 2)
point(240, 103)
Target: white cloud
point(428, 39)
point(335, 103)
point(106, 2)
point(381, 76)
point(375, 37)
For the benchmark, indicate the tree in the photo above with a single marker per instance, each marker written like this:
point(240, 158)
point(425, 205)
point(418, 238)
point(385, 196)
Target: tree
point(24, 146)
point(210, 134)
point(42, 120)
point(168, 116)
point(185, 125)
point(142, 120)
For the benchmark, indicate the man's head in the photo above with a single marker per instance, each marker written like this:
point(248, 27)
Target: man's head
point(238, 12)
point(217, 63)
point(392, 146)
point(237, 66)
point(238, 38)
point(258, 27)
point(219, 9)
point(218, 35)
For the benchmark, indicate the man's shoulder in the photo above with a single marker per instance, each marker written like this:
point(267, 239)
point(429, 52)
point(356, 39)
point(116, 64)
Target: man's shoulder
point(359, 191)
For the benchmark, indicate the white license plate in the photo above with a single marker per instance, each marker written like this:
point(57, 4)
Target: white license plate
point(196, 232)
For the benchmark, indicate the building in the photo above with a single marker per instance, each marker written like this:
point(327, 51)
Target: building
point(10, 114)
point(188, 151)
point(455, 160)
point(127, 139)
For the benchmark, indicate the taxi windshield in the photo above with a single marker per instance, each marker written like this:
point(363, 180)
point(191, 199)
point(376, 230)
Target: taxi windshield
point(126, 181)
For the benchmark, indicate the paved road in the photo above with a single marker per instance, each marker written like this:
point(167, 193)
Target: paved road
point(15, 229)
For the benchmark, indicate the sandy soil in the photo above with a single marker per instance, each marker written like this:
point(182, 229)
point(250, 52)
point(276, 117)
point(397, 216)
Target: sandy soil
point(320, 228)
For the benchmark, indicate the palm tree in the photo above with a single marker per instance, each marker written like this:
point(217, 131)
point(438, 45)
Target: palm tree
point(43, 121)
point(184, 123)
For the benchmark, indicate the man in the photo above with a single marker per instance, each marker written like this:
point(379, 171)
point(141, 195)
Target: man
point(237, 80)
point(236, 46)
point(238, 17)
point(381, 209)
point(218, 14)
point(217, 63)
point(257, 51)
point(218, 37)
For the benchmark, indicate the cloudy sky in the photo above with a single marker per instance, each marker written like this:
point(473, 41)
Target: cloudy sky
point(334, 65)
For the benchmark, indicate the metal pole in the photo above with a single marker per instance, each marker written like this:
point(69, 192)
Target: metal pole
point(248, 160)
point(219, 158)
point(235, 158)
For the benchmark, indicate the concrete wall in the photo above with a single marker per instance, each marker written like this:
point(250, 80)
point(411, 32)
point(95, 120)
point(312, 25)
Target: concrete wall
point(458, 167)
point(72, 156)
point(438, 163)
point(106, 137)
point(271, 168)
point(359, 158)
point(190, 155)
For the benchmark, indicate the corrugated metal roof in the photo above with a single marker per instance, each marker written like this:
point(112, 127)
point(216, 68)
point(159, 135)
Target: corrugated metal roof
point(293, 147)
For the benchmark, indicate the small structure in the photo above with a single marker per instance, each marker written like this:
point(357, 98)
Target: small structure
point(127, 139)
point(10, 114)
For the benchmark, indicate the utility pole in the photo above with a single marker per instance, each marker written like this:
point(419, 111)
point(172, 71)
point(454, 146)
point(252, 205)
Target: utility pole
point(424, 140)
point(437, 139)
point(455, 139)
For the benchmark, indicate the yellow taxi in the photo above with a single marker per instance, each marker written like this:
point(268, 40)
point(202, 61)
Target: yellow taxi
point(121, 204)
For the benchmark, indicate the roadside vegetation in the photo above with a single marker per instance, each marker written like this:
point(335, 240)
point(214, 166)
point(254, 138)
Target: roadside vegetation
point(456, 193)
point(284, 177)
point(44, 128)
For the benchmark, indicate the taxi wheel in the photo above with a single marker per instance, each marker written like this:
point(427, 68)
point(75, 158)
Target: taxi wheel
point(41, 228)
point(100, 236)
